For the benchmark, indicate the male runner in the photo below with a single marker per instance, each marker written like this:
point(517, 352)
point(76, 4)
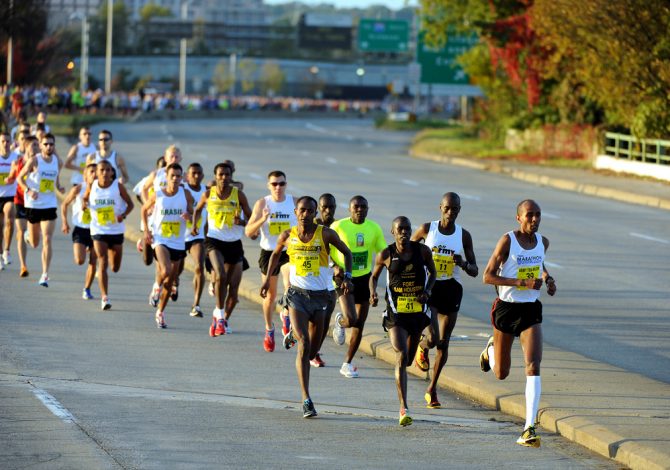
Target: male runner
point(195, 243)
point(76, 157)
point(28, 148)
point(307, 246)
point(363, 237)
point(39, 179)
point(81, 234)
point(407, 294)
point(110, 204)
point(111, 156)
point(517, 270)
point(227, 213)
point(452, 250)
point(7, 193)
point(170, 207)
point(272, 215)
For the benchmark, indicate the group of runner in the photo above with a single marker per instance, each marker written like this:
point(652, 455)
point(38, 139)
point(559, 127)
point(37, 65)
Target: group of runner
point(322, 261)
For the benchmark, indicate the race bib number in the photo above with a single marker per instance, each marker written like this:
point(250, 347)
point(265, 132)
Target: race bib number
point(408, 305)
point(307, 265)
point(86, 216)
point(444, 265)
point(46, 186)
point(223, 216)
point(106, 215)
point(276, 228)
point(527, 272)
point(170, 229)
point(360, 260)
point(3, 178)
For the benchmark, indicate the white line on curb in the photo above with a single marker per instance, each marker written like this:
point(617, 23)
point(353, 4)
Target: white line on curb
point(647, 237)
point(53, 405)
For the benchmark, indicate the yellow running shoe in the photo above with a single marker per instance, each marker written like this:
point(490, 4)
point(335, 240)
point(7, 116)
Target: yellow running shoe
point(432, 401)
point(529, 438)
point(404, 419)
point(421, 359)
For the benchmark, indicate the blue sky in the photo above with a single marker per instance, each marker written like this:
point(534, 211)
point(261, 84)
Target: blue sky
point(393, 4)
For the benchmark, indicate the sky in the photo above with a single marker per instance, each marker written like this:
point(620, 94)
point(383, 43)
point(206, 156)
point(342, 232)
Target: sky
point(393, 4)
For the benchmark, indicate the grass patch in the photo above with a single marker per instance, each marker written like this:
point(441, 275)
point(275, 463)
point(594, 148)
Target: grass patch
point(385, 124)
point(68, 125)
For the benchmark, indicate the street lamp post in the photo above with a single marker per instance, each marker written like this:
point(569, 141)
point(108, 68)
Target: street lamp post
point(83, 66)
point(10, 48)
point(182, 51)
point(108, 51)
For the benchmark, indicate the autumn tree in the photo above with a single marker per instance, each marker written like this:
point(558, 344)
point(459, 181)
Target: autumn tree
point(247, 69)
point(272, 78)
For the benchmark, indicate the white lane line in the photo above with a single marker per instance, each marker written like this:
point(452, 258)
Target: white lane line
point(410, 182)
point(314, 128)
point(369, 145)
point(647, 237)
point(553, 265)
point(349, 137)
point(255, 176)
point(331, 160)
point(164, 129)
point(367, 171)
point(305, 153)
point(471, 197)
point(549, 215)
point(170, 137)
point(53, 405)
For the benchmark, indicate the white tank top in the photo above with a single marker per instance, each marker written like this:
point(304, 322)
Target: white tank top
point(43, 180)
point(160, 180)
point(203, 215)
point(81, 218)
point(111, 159)
point(521, 264)
point(221, 214)
point(444, 247)
point(80, 161)
point(168, 224)
point(106, 204)
point(282, 217)
point(7, 190)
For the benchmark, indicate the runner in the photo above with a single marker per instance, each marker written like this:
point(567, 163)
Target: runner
point(307, 246)
point(272, 215)
point(363, 237)
point(77, 156)
point(7, 193)
point(110, 204)
point(452, 250)
point(227, 213)
point(39, 179)
point(170, 207)
point(517, 270)
point(107, 154)
point(81, 234)
point(28, 148)
point(407, 294)
point(195, 243)
point(138, 190)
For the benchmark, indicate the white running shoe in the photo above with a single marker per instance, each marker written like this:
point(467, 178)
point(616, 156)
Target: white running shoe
point(154, 296)
point(44, 280)
point(339, 334)
point(105, 304)
point(349, 371)
point(160, 320)
point(26, 237)
point(6, 258)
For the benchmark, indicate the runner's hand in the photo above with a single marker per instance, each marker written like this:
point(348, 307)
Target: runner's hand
point(374, 299)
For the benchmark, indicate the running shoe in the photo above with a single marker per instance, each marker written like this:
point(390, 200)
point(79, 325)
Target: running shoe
point(269, 340)
point(160, 320)
point(23, 272)
point(140, 244)
point(431, 400)
point(529, 438)
point(421, 359)
point(154, 296)
point(220, 328)
point(44, 280)
point(317, 361)
point(289, 340)
point(285, 321)
point(226, 323)
point(86, 294)
point(404, 418)
point(349, 371)
point(484, 356)
point(26, 237)
point(195, 311)
point(174, 295)
point(210, 289)
point(6, 258)
point(308, 410)
point(338, 330)
point(105, 304)
point(212, 327)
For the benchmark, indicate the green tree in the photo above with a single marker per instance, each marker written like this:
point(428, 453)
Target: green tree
point(120, 29)
point(152, 10)
point(248, 70)
point(272, 78)
point(223, 78)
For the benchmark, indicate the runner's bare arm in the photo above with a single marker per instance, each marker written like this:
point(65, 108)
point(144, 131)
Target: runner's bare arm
point(469, 265)
point(274, 259)
point(427, 256)
point(421, 233)
point(71, 155)
point(380, 263)
point(129, 202)
point(258, 216)
point(71, 195)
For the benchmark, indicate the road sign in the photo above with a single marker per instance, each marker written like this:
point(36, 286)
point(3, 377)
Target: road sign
point(383, 35)
point(438, 65)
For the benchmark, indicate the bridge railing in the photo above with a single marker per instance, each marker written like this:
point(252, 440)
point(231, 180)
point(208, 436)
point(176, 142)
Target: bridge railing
point(641, 150)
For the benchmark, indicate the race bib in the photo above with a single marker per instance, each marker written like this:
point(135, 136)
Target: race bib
point(189, 224)
point(527, 272)
point(106, 215)
point(276, 228)
point(306, 265)
point(82, 165)
point(408, 305)
point(170, 229)
point(360, 260)
point(86, 216)
point(223, 216)
point(46, 186)
point(444, 265)
point(3, 178)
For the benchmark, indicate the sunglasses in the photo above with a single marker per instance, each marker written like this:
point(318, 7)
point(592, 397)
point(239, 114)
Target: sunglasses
point(50, 144)
point(280, 183)
point(104, 139)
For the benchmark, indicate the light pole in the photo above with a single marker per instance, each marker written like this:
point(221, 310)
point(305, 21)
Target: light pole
point(108, 51)
point(182, 51)
point(10, 47)
point(83, 66)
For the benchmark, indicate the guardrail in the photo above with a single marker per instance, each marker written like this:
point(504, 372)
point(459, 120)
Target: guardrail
point(641, 150)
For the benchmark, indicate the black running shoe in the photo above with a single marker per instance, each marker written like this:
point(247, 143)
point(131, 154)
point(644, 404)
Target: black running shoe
point(308, 410)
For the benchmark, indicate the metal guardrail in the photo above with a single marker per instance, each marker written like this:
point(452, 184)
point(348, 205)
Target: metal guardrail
point(641, 150)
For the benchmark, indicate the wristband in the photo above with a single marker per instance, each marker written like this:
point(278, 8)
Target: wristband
point(347, 275)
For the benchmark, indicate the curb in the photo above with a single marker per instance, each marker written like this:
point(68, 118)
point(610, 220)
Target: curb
point(558, 183)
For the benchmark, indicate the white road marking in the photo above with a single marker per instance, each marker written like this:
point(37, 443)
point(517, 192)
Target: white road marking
point(349, 137)
point(255, 176)
point(314, 128)
point(471, 197)
point(549, 215)
point(170, 137)
point(369, 145)
point(53, 405)
point(364, 170)
point(331, 160)
point(164, 129)
point(648, 237)
point(553, 265)
point(305, 153)
point(410, 182)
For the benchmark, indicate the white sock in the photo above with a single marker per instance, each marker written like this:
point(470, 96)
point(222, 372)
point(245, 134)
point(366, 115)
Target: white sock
point(218, 314)
point(492, 357)
point(156, 286)
point(533, 392)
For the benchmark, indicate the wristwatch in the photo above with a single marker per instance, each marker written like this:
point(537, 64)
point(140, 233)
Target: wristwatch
point(347, 275)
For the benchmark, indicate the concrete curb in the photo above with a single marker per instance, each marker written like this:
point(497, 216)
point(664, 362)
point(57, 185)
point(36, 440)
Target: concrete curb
point(558, 183)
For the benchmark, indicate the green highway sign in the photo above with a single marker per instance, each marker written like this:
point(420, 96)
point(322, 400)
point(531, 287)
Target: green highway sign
point(438, 65)
point(383, 35)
